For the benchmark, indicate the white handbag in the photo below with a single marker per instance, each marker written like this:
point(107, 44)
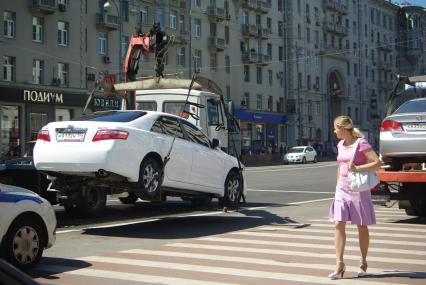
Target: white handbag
point(361, 181)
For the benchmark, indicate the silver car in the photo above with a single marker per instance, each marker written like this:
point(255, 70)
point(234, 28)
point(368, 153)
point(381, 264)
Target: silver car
point(301, 154)
point(403, 134)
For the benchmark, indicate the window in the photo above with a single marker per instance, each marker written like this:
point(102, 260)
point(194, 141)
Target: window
point(197, 58)
point(63, 33)
point(124, 45)
point(213, 62)
point(259, 102)
point(259, 75)
point(269, 50)
point(246, 99)
point(226, 35)
point(196, 3)
point(63, 73)
point(168, 126)
point(197, 28)
point(270, 104)
point(270, 77)
point(280, 53)
point(308, 35)
point(246, 73)
point(280, 29)
point(173, 18)
point(213, 32)
point(159, 16)
point(10, 146)
point(124, 10)
point(194, 134)
point(38, 29)
point(299, 80)
point(299, 31)
point(9, 63)
point(9, 20)
point(227, 64)
point(38, 67)
point(144, 15)
point(180, 52)
point(102, 43)
point(213, 112)
point(147, 105)
point(308, 82)
point(182, 23)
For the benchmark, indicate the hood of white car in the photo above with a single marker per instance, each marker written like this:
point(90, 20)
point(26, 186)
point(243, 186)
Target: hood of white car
point(10, 190)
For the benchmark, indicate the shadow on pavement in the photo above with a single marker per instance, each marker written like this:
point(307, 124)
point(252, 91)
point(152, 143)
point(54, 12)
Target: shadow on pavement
point(50, 266)
point(395, 273)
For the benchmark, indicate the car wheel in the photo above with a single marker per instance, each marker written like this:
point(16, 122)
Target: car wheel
point(418, 207)
point(233, 190)
point(130, 199)
point(315, 159)
point(149, 177)
point(304, 160)
point(24, 243)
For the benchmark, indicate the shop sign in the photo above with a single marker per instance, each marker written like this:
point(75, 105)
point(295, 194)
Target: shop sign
point(43, 97)
point(105, 103)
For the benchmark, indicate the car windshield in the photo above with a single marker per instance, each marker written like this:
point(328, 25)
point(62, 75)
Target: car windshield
point(296, 150)
point(415, 106)
point(112, 116)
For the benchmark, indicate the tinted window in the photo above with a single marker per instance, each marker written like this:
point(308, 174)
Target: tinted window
point(213, 112)
point(416, 106)
point(296, 150)
point(170, 126)
point(148, 105)
point(174, 108)
point(194, 134)
point(112, 116)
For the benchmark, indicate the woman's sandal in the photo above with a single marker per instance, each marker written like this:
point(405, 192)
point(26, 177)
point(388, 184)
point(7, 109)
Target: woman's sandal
point(362, 269)
point(339, 273)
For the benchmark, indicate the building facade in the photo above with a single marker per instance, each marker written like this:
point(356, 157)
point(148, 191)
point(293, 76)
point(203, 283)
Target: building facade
point(289, 67)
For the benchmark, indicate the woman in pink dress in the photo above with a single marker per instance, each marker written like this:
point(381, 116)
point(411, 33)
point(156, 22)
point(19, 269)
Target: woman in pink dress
point(356, 207)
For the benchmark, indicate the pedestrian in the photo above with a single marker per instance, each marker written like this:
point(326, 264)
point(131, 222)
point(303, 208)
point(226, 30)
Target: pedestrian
point(356, 207)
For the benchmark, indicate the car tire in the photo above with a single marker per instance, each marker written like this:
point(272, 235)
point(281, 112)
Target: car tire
point(130, 199)
point(92, 205)
point(315, 159)
point(304, 160)
point(24, 243)
point(149, 170)
point(233, 190)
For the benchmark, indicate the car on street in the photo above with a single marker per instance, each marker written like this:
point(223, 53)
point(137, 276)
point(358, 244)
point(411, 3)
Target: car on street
point(301, 154)
point(112, 152)
point(27, 226)
point(403, 134)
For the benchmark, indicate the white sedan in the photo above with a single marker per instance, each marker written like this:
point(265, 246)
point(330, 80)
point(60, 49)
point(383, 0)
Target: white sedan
point(27, 226)
point(301, 154)
point(124, 151)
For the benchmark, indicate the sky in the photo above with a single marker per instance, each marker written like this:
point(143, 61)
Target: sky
point(414, 2)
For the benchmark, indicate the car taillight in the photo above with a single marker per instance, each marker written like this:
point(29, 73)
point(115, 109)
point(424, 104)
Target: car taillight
point(110, 135)
point(391, 126)
point(43, 135)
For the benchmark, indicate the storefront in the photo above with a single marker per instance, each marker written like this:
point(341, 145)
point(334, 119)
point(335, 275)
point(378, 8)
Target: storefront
point(24, 110)
point(260, 131)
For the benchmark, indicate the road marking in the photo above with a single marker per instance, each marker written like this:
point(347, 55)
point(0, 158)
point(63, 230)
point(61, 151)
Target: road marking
point(285, 169)
point(308, 245)
point(293, 253)
point(126, 276)
point(225, 271)
point(327, 238)
point(289, 191)
point(391, 225)
point(251, 260)
point(331, 227)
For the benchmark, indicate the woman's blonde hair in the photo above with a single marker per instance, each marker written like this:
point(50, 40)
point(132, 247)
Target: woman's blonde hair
point(346, 123)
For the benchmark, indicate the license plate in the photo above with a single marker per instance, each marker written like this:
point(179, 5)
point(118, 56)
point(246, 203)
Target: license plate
point(70, 137)
point(415, 127)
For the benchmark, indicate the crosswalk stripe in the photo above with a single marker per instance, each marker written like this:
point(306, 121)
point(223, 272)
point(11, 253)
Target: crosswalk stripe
point(310, 245)
point(127, 276)
point(328, 238)
point(391, 225)
point(251, 260)
point(331, 227)
point(355, 232)
point(396, 215)
point(225, 270)
point(293, 253)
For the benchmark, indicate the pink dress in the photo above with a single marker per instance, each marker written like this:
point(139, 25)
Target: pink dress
point(356, 207)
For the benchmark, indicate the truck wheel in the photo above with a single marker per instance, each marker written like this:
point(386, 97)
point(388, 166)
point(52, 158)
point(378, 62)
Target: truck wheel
point(24, 243)
point(418, 207)
point(130, 199)
point(233, 190)
point(90, 205)
point(149, 179)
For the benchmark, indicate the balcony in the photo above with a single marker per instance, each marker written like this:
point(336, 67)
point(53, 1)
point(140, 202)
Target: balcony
point(216, 44)
point(334, 51)
point(264, 33)
point(335, 28)
point(335, 6)
point(263, 59)
point(384, 45)
point(250, 4)
point(182, 4)
point(249, 30)
point(386, 66)
point(106, 21)
point(414, 52)
point(249, 57)
point(43, 6)
point(216, 14)
point(262, 7)
point(182, 39)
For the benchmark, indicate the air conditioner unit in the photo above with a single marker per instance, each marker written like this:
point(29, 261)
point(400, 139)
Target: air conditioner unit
point(62, 7)
point(106, 59)
point(91, 77)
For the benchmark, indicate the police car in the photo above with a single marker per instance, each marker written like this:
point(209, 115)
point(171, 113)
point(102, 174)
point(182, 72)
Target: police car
point(27, 226)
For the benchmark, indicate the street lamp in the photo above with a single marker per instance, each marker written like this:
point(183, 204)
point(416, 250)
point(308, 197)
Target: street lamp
point(108, 5)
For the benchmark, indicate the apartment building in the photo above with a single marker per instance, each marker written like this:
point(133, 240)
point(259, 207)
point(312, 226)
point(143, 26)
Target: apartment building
point(288, 66)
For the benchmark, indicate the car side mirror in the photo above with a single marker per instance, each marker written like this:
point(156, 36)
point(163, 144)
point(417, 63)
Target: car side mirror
point(215, 143)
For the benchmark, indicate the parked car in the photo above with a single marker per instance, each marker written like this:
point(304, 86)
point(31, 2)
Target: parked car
point(27, 226)
point(301, 154)
point(403, 134)
point(123, 151)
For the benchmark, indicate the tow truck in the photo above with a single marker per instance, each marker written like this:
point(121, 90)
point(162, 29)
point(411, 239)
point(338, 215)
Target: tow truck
point(406, 183)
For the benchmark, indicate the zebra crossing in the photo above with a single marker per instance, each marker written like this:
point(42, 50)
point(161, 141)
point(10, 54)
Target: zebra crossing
point(293, 253)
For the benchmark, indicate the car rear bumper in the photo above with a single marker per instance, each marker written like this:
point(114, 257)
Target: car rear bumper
point(392, 146)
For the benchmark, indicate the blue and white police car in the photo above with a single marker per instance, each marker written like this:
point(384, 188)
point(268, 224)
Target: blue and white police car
point(27, 226)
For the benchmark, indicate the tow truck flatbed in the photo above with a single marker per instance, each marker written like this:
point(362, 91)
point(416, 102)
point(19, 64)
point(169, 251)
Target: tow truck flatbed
point(401, 176)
